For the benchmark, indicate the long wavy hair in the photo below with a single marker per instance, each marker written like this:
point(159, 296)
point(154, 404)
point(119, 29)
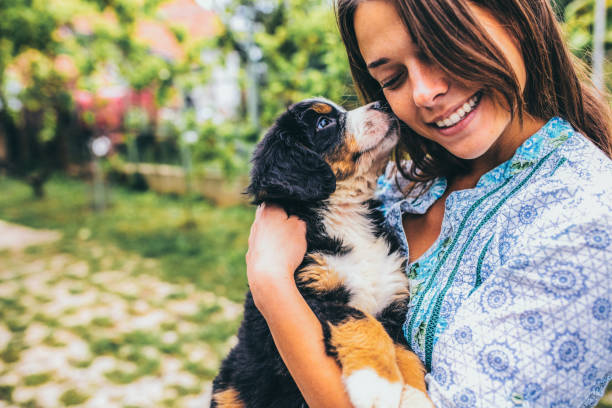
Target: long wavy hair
point(450, 37)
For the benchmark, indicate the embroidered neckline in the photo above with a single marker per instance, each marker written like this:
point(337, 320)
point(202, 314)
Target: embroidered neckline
point(550, 136)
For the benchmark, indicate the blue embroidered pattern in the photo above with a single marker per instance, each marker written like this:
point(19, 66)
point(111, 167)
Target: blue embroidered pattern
point(513, 300)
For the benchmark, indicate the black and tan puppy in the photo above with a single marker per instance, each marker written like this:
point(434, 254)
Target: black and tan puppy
point(321, 163)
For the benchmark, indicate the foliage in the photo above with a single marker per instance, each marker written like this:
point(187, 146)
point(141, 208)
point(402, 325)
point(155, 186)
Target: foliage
point(559, 7)
point(50, 49)
point(579, 19)
point(304, 58)
point(225, 147)
point(301, 53)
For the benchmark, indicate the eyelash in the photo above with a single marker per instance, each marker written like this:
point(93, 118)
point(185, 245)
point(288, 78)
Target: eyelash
point(394, 81)
point(391, 82)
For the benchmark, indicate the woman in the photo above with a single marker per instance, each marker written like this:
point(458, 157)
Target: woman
point(504, 209)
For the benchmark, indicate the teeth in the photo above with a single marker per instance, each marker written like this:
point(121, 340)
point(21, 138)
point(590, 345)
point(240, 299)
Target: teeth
point(459, 113)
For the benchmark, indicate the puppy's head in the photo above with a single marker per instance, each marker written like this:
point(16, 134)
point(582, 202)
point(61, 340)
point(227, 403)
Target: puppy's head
point(314, 145)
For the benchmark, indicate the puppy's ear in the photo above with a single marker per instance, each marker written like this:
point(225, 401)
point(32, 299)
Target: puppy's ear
point(285, 169)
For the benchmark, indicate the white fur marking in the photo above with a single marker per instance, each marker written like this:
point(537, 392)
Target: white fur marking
point(367, 390)
point(372, 276)
point(368, 126)
point(413, 398)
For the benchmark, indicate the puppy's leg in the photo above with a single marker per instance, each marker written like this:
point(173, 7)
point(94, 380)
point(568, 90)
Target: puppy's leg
point(414, 392)
point(367, 358)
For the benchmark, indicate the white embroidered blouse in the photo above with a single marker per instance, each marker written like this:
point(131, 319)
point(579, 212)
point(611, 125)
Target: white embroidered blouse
point(511, 306)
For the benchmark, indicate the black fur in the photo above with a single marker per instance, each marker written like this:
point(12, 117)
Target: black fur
point(289, 171)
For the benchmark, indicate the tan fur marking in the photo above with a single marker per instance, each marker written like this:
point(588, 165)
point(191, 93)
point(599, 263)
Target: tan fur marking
point(318, 276)
point(228, 399)
point(341, 160)
point(411, 368)
point(321, 108)
point(364, 343)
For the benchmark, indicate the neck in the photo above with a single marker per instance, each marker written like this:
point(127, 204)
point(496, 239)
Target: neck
point(505, 147)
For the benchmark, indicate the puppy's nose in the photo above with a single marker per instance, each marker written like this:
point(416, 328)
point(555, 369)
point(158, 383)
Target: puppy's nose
point(381, 106)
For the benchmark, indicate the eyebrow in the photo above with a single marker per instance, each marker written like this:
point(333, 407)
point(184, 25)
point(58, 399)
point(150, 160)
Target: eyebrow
point(378, 63)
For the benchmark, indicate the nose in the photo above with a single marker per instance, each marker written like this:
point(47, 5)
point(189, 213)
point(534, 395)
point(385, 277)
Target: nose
point(381, 106)
point(428, 83)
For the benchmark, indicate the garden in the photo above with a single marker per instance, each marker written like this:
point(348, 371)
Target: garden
point(126, 128)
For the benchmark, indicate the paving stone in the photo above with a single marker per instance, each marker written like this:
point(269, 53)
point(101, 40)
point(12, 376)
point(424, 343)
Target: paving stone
point(76, 307)
point(17, 237)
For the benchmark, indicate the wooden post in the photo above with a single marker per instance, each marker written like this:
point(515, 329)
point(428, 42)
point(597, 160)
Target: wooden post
point(599, 34)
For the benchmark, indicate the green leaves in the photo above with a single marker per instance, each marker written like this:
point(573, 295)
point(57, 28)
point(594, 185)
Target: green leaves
point(579, 17)
point(302, 54)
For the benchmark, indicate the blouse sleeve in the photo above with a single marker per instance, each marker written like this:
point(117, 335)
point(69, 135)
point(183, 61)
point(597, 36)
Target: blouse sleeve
point(537, 331)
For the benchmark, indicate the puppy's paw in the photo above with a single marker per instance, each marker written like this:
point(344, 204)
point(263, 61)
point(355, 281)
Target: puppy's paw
point(413, 398)
point(367, 389)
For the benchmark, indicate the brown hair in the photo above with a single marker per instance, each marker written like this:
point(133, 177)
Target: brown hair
point(450, 37)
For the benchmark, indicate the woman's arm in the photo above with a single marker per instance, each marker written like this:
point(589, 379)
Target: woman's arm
point(277, 245)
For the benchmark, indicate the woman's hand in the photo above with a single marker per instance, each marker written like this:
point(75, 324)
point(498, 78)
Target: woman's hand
point(277, 244)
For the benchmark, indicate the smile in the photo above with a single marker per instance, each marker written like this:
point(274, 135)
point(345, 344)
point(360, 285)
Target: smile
point(460, 113)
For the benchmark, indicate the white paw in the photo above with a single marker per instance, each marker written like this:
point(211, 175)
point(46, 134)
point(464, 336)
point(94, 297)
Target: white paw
point(413, 398)
point(367, 389)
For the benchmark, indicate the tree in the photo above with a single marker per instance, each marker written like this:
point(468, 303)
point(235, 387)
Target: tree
point(26, 38)
point(299, 49)
point(37, 112)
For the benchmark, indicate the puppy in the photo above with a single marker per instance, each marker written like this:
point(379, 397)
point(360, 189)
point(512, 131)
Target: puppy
point(321, 163)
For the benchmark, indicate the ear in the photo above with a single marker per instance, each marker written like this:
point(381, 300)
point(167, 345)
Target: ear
point(284, 169)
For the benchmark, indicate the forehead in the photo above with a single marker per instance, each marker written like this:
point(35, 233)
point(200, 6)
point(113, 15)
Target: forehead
point(380, 31)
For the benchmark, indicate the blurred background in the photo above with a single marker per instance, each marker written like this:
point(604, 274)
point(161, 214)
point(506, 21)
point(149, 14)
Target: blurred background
point(126, 128)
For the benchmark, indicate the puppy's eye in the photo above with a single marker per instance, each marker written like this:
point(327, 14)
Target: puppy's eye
point(324, 122)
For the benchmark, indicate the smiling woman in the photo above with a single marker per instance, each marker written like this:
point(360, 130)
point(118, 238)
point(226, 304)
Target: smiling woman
point(432, 103)
point(503, 210)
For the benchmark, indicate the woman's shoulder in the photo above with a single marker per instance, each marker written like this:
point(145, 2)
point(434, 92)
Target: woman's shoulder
point(560, 158)
point(578, 168)
point(570, 195)
point(582, 155)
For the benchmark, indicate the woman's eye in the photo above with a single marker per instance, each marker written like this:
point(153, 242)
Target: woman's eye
point(323, 122)
point(392, 82)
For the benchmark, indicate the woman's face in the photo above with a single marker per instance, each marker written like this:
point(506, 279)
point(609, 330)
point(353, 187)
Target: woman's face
point(467, 122)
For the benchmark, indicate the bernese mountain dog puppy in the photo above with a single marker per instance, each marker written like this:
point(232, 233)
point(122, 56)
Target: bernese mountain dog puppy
point(321, 163)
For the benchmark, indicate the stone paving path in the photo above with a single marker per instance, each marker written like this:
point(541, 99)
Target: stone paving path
point(73, 335)
point(15, 237)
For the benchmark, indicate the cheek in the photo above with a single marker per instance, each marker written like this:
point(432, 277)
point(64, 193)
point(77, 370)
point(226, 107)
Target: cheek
point(402, 106)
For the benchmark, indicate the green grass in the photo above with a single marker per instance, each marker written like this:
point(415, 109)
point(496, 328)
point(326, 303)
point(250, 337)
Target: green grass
point(208, 252)
point(13, 349)
point(73, 397)
point(6, 393)
point(36, 379)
